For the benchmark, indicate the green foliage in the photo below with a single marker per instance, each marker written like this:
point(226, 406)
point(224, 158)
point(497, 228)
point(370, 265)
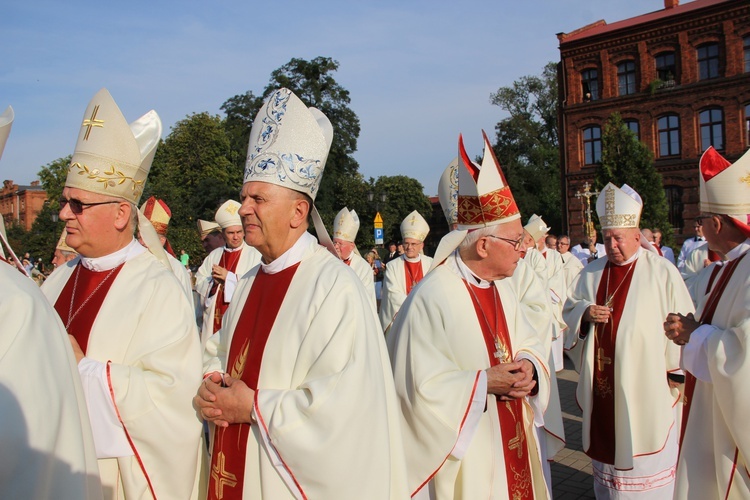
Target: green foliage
point(527, 144)
point(626, 160)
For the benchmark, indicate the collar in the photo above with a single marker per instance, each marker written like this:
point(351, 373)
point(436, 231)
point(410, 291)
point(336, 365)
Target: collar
point(111, 261)
point(459, 267)
point(632, 258)
point(416, 259)
point(291, 256)
point(232, 250)
point(739, 250)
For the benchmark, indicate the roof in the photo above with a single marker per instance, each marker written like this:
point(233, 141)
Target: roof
point(601, 27)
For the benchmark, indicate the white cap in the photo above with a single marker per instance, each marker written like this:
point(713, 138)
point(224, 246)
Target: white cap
point(6, 122)
point(724, 186)
point(346, 225)
point(448, 192)
point(414, 226)
point(536, 227)
point(112, 157)
point(618, 208)
point(228, 214)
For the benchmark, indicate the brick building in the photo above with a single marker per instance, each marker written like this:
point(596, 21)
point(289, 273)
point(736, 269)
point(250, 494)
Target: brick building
point(21, 204)
point(680, 78)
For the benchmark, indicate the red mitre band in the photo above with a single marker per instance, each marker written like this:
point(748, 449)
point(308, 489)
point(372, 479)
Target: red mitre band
point(487, 208)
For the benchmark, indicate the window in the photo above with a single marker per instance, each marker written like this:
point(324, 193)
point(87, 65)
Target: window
point(669, 135)
point(674, 204)
point(626, 77)
point(708, 61)
point(592, 145)
point(666, 70)
point(746, 42)
point(712, 128)
point(633, 127)
point(590, 82)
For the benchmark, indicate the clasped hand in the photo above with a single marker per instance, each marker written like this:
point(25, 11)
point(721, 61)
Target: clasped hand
point(678, 328)
point(512, 380)
point(224, 400)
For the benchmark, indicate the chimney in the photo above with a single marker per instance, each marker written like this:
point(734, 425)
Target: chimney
point(671, 4)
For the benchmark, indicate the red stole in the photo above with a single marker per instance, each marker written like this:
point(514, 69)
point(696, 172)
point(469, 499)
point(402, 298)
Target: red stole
point(90, 290)
point(413, 273)
point(706, 318)
point(244, 361)
point(602, 430)
point(489, 311)
point(658, 250)
point(229, 262)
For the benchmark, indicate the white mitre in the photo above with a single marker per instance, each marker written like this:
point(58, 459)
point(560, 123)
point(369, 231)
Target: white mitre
point(206, 227)
point(536, 227)
point(346, 225)
point(6, 122)
point(619, 208)
point(111, 157)
point(228, 214)
point(448, 193)
point(725, 187)
point(414, 226)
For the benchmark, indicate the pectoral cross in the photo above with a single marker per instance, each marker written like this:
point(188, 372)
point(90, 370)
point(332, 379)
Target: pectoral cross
point(92, 122)
point(601, 359)
point(501, 353)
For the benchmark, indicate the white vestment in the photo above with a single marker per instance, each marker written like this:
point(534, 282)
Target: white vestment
point(46, 447)
point(558, 293)
point(450, 424)
point(571, 267)
point(364, 272)
point(715, 450)
point(583, 253)
point(182, 275)
point(691, 268)
point(326, 413)
point(643, 402)
point(145, 339)
point(249, 258)
point(688, 247)
point(668, 254)
point(393, 292)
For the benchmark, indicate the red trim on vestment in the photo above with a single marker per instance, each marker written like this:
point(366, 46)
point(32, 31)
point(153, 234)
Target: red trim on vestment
point(127, 434)
point(731, 476)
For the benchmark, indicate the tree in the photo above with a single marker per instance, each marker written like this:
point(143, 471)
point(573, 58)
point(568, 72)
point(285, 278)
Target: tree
point(527, 144)
point(313, 82)
point(626, 160)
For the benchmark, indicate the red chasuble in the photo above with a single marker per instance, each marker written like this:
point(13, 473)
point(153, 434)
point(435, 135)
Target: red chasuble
point(706, 318)
point(245, 357)
point(489, 310)
point(413, 273)
point(614, 286)
point(229, 262)
point(81, 298)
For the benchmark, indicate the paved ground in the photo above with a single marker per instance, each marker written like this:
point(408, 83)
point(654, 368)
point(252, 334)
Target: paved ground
point(571, 471)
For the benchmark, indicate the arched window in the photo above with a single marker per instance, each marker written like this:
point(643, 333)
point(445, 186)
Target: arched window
point(669, 135)
point(590, 84)
point(708, 61)
point(626, 78)
point(712, 128)
point(633, 126)
point(592, 145)
point(666, 69)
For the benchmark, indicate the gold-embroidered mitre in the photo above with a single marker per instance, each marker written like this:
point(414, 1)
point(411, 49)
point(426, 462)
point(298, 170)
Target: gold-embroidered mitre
point(6, 122)
point(414, 226)
point(61, 245)
point(113, 157)
point(206, 227)
point(724, 186)
point(228, 214)
point(536, 227)
point(618, 208)
point(346, 225)
point(158, 213)
point(448, 192)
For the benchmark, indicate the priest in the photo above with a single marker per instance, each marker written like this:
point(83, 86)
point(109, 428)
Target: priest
point(299, 390)
point(627, 387)
point(469, 367)
point(216, 279)
point(210, 233)
point(402, 274)
point(345, 228)
point(571, 265)
point(715, 441)
point(130, 327)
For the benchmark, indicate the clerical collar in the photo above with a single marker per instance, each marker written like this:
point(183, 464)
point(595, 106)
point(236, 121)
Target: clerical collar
point(458, 266)
point(291, 256)
point(738, 250)
point(231, 250)
point(416, 259)
point(111, 261)
point(632, 258)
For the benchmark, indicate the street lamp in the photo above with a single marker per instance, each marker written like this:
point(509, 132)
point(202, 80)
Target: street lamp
point(381, 198)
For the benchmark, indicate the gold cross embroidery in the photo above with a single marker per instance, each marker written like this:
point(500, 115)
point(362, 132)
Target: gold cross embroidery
point(601, 359)
point(92, 122)
point(516, 443)
point(221, 476)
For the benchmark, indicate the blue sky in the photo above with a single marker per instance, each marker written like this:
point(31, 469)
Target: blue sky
point(419, 73)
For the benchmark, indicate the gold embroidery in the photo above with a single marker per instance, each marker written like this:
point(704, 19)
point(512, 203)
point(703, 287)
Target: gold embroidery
point(91, 123)
point(239, 365)
point(113, 177)
point(521, 483)
point(746, 179)
point(602, 388)
point(501, 351)
point(601, 359)
point(516, 443)
point(221, 476)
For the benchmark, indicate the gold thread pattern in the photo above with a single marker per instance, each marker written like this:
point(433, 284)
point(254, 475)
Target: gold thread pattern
point(239, 365)
point(109, 178)
point(91, 123)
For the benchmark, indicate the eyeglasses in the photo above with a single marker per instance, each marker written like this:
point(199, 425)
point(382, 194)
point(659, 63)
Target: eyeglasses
point(409, 245)
point(699, 220)
point(77, 206)
point(516, 243)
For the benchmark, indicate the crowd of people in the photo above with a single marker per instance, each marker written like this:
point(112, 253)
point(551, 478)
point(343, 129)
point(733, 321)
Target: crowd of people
point(290, 366)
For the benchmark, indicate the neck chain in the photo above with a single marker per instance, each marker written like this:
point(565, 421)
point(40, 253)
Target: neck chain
point(501, 351)
point(71, 314)
point(610, 297)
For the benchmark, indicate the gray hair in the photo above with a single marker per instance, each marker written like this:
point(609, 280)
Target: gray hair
point(473, 236)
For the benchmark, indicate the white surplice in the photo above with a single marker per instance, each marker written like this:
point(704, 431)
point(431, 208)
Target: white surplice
point(393, 292)
point(364, 272)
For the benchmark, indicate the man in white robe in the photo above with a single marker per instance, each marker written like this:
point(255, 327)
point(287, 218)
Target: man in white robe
point(130, 327)
point(588, 250)
point(627, 386)
point(403, 273)
point(345, 228)
point(666, 252)
point(300, 390)
point(571, 265)
point(216, 279)
point(468, 373)
point(689, 244)
point(716, 442)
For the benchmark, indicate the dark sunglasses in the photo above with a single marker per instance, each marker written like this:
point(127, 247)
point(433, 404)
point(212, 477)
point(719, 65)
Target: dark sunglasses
point(77, 206)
